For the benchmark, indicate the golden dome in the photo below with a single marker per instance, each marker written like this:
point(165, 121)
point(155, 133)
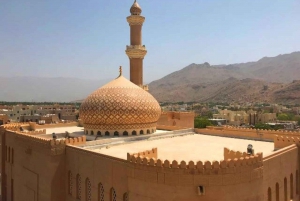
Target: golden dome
point(120, 108)
point(135, 9)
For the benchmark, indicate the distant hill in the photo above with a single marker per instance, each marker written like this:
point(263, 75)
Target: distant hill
point(268, 79)
point(253, 81)
point(46, 89)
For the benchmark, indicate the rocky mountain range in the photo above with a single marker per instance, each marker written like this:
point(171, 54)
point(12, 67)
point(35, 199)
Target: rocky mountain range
point(270, 79)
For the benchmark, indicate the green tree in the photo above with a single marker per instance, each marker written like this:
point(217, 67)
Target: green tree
point(262, 126)
point(202, 122)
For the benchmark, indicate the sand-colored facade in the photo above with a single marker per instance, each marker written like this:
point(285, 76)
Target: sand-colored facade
point(34, 169)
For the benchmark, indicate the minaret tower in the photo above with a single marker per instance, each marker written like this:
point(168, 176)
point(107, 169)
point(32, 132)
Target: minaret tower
point(136, 51)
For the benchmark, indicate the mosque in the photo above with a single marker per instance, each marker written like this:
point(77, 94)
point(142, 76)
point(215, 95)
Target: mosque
point(126, 149)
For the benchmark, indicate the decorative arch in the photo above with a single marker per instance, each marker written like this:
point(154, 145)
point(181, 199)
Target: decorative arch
point(291, 186)
point(99, 133)
point(148, 131)
point(141, 132)
point(113, 195)
point(125, 133)
point(269, 194)
point(78, 187)
point(116, 133)
point(277, 191)
point(106, 133)
point(70, 182)
point(92, 132)
point(133, 132)
point(285, 190)
point(100, 192)
point(88, 190)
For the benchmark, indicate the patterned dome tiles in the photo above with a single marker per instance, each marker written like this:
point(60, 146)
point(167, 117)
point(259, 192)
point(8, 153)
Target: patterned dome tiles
point(120, 104)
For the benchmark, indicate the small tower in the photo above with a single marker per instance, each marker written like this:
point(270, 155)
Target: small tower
point(136, 51)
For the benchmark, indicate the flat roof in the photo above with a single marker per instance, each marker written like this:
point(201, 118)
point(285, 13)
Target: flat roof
point(70, 129)
point(194, 147)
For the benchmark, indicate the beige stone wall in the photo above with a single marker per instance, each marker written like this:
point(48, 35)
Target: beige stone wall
point(176, 119)
point(278, 167)
point(48, 169)
point(147, 179)
point(247, 133)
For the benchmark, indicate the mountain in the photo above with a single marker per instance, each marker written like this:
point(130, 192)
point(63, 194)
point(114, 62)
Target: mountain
point(271, 79)
point(46, 89)
point(264, 80)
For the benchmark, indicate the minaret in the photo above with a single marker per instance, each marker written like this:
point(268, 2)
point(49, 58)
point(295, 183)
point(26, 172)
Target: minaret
point(136, 51)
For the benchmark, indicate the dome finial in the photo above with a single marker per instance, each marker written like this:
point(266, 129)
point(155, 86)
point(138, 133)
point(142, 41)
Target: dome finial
point(120, 70)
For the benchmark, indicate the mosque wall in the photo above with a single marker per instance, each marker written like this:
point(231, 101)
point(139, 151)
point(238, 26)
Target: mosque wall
point(177, 119)
point(151, 179)
point(33, 168)
point(247, 133)
point(281, 175)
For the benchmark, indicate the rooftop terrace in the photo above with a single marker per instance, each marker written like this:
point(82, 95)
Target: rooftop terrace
point(189, 147)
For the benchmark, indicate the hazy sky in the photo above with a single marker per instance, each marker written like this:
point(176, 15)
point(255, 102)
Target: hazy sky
point(87, 39)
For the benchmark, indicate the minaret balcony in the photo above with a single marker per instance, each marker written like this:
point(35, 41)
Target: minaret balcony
point(135, 20)
point(141, 47)
point(136, 51)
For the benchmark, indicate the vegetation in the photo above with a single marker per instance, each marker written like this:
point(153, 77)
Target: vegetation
point(267, 126)
point(202, 122)
point(285, 117)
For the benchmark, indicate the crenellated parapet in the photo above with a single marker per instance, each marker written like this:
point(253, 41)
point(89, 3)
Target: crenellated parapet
point(38, 132)
point(246, 133)
point(50, 146)
point(281, 141)
point(230, 154)
point(229, 166)
point(148, 153)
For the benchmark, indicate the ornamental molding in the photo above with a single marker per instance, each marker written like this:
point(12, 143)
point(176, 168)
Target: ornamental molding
point(138, 52)
point(135, 20)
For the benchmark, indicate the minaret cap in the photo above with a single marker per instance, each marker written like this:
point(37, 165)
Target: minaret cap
point(135, 9)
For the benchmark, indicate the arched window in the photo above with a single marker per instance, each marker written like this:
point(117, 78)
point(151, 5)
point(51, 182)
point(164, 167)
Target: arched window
point(133, 132)
point(148, 131)
point(277, 192)
point(107, 133)
point(99, 133)
point(70, 183)
point(297, 182)
point(92, 132)
point(125, 197)
point(78, 187)
point(116, 133)
point(125, 133)
point(88, 190)
point(113, 195)
point(285, 190)
point(269, 194)
point(100, 192)
point(86, 132)
point(141, 132)
point(12, 155)
point(8, 154)
point(291, 187)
